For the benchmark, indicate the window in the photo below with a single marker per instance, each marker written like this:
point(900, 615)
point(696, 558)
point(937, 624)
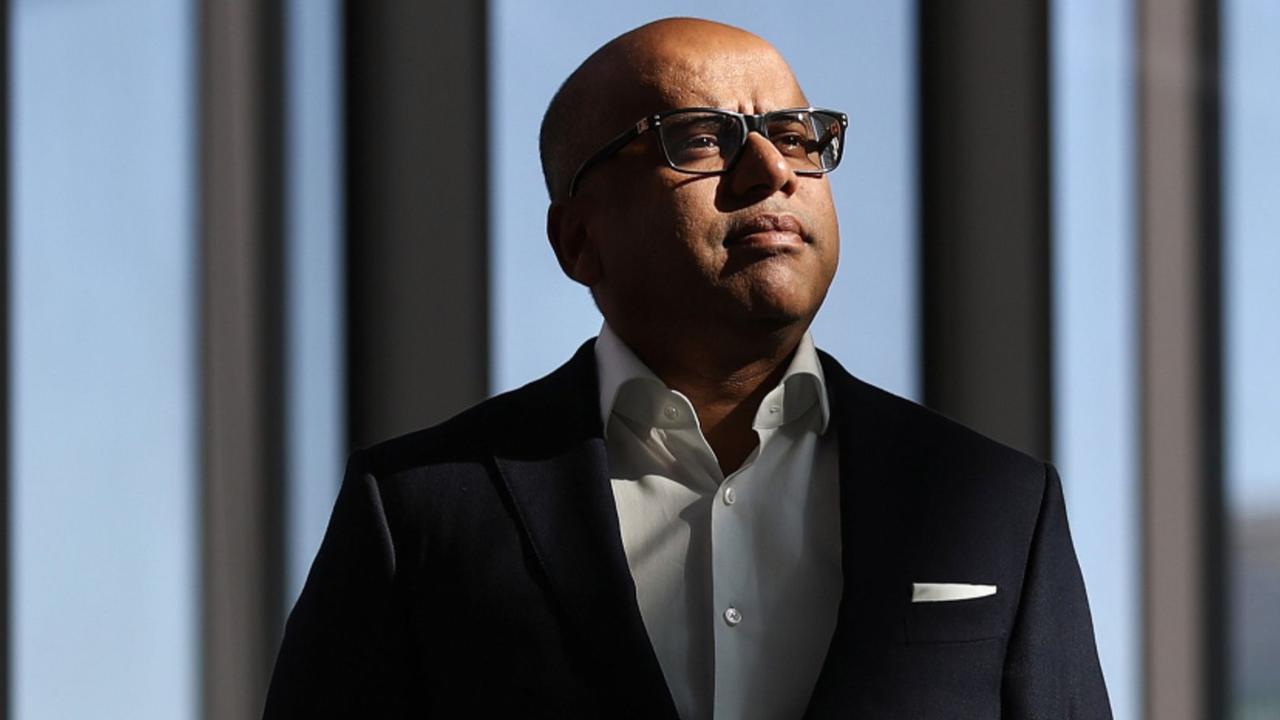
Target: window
point(1095, 311)
point(104, 415)
point(1251, 361)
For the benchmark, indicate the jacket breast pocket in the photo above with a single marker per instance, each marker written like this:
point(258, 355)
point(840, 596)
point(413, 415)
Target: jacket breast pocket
point(981, 618)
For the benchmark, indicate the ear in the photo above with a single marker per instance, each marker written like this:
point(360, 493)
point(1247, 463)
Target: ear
point(573, 243)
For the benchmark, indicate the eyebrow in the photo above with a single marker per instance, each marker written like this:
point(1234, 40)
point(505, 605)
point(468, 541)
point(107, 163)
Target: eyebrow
point(696, 117)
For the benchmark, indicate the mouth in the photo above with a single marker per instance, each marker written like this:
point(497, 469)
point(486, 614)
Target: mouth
point(767, 233)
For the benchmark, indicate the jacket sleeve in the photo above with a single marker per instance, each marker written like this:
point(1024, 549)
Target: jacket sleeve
point(344, 652)
point(1051, 668)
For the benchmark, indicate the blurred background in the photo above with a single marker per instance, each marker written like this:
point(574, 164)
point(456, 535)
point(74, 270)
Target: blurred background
point(242, 237)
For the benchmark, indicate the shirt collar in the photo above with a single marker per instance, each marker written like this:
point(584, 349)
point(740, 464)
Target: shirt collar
point(619, 368)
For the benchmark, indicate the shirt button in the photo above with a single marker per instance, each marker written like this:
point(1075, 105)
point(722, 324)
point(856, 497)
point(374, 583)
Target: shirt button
point(671, 412)
point(732, 616)
point(730, 495)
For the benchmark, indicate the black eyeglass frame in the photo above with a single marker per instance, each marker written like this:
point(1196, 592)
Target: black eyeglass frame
point(751, 123)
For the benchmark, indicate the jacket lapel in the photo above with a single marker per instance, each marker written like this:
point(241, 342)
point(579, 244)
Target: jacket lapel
point(552, 459)
point(871, 522)
point(550, 452)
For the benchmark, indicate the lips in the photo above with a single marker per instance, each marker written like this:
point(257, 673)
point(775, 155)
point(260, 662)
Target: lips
point(767, 232)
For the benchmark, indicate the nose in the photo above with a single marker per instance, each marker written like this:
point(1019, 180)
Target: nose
point(762, 170)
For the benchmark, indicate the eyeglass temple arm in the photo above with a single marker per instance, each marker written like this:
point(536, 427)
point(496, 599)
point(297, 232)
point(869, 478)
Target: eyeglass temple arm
point(608, 151)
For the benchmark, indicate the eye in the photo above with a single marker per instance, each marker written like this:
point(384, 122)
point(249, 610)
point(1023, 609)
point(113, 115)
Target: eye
point(695, 140)
point(792, 135)
point(700, 143)
point(791, 143)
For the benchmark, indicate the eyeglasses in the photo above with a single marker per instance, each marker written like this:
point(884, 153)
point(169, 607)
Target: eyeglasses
point(707, 141)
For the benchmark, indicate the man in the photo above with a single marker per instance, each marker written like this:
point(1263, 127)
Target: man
point(699, 515)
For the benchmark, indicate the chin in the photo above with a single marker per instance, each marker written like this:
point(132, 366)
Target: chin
point(791, 300)
point(776, 312)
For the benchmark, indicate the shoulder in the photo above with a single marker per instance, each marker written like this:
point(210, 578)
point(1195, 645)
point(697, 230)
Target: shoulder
point(971, 503)
point(440, 484)
point(917, 437)
point(512, 422)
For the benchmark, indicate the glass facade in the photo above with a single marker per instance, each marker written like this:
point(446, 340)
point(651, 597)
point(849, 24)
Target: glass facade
point(315, 427)
point(1095, 314)
point(1251, 358)
point(104, 322)
point(104, 415)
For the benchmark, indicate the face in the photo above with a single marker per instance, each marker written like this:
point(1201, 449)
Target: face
point(754, 248)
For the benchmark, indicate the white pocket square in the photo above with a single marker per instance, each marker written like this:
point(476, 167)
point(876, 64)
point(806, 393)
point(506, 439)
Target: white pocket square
point(944, 592)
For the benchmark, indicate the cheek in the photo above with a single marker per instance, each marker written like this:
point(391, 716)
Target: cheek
point(683, 224)
point(696, 224)
point(636, 247)
point(679, 229)
point(826, 227)
point(833, 237)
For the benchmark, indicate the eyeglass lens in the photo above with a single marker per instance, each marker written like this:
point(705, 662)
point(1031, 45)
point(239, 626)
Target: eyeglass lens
point(703, 141)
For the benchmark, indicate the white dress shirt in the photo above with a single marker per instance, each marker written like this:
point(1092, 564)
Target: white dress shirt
point(738, 578)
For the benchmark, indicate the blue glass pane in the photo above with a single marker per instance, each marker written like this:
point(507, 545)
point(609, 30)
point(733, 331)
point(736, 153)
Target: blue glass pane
point(860, 58)
point(315, 408)
point(1095, 300)
point(103, 319)
point(1251, 265)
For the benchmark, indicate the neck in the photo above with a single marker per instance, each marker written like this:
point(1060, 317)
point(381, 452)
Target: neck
point(725, 378)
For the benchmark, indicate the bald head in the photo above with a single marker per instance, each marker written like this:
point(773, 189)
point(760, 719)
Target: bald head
point(637, 73)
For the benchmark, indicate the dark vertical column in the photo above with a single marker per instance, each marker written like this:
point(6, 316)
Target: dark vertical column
point(984, 169)
point(417, 158)
point(1184, 588)
point(6, 588)
point(1214, 587)
point(241, 347)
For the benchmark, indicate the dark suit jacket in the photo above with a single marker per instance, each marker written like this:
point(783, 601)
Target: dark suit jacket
point(476, 569)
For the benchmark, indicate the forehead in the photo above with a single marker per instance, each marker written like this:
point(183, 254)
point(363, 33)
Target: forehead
point(744, 77)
